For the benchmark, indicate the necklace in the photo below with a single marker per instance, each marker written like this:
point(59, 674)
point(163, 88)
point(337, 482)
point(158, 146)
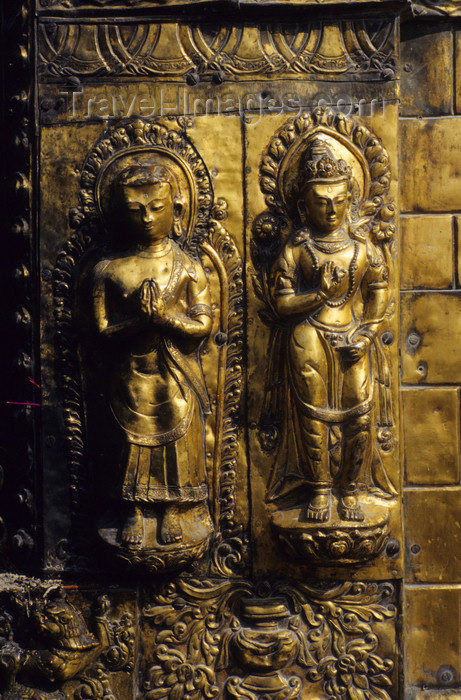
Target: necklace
point(334, 245)
point(310, 245)
point(331, 246)
point(164, 250)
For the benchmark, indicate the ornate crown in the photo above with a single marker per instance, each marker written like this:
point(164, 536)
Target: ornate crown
point(320, 164)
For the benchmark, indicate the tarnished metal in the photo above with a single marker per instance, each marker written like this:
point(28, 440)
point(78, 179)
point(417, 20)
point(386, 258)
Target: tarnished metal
point(209, 469)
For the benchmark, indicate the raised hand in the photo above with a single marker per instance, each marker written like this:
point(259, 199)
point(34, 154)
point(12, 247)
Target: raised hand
point(151, 300)
point(330, 278)
point(145, 299)
point(157, 303)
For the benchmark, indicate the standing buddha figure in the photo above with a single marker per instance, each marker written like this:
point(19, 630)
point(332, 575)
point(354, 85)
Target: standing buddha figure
point(152, 308)
point(330, 286)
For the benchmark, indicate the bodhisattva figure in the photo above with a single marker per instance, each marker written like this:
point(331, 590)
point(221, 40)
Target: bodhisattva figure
point(330, 283)
point(152, 309)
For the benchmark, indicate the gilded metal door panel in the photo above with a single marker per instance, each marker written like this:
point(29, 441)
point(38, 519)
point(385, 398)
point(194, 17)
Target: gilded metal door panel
point(206, 304)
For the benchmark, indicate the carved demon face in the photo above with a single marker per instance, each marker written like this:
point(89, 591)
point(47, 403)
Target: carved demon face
point(60, 622)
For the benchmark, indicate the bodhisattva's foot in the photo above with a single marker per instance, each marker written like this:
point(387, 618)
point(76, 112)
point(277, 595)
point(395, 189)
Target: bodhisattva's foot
point(318, 508)
point(133, 530)
point(170, 529)
point(349, 509)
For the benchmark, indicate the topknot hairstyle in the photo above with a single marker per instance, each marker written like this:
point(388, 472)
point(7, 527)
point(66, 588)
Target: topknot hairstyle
point(140, 174)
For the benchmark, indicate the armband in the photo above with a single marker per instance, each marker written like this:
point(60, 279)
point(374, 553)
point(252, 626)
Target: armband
point(200, 310)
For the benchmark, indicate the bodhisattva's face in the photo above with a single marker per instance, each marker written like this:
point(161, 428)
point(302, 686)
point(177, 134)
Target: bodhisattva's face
point(325, 205)
point(150, 210)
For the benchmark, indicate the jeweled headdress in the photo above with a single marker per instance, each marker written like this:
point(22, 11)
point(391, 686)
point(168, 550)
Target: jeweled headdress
point(320, 165)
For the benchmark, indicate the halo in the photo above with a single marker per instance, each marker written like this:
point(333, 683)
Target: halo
point(341, 147)
point(147, 155)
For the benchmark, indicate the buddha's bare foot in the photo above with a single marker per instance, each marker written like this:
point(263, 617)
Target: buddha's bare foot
point(133, 530)
point(349, 509)
point(318, 508)
point(170, 529)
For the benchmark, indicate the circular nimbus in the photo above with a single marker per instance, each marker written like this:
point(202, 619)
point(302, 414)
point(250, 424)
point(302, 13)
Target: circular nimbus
point(148, 156)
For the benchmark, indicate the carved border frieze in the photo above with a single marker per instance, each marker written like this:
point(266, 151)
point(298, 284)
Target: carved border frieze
point(363, 49)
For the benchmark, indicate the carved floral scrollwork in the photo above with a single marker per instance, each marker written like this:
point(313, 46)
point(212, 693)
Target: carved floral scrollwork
point(174, 677)
point(229, 553)
point(329, 634)
point(94, 684)
point(341, 642)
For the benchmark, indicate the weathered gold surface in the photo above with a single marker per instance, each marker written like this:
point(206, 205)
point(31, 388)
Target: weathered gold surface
point(430, 146)
point(430, 338)
point(426, 77)
point(426, 252)
point(307, 538)
point(179, 51)
point(205, 632)
point(205, 636)
point(433, 641)
point(430, 422)
point(269, 637)
point(435, 556)
point(457, 257)
point(326, 293)
point(245, 98)
point(430, 356)
point(457, 64)
point(60, 643)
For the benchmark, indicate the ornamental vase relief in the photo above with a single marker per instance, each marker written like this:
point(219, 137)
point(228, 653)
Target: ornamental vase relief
point(217, 482)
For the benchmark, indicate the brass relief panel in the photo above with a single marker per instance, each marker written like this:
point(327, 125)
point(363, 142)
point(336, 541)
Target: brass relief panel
point(219, 430)
point(331, 404)
point(197, 52)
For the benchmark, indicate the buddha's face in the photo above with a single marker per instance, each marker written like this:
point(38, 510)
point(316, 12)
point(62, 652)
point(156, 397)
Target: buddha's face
point(150, 210)
point(325, 205)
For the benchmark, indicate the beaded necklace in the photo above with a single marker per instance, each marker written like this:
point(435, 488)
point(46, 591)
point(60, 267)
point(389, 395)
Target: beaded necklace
point(311, 245)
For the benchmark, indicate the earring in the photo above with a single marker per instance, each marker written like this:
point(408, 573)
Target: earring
point(177, 228)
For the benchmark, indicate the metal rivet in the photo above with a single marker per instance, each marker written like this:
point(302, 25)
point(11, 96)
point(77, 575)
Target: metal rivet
point(387, 338)
point(414, 340)
point(446, 675)
point(393, 548)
